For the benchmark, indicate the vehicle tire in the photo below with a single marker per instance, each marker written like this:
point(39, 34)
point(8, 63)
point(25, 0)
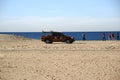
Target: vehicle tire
point(47, 41)
point(68, 41)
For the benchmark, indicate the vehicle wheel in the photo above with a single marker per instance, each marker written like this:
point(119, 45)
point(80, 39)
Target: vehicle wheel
point(47, 41)
point(68, 41)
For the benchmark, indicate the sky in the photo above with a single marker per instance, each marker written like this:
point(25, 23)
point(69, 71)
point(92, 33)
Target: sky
point(59, 15)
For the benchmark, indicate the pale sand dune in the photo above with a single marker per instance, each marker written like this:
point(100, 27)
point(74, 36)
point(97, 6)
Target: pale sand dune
point(24, 59)
point(10, 38)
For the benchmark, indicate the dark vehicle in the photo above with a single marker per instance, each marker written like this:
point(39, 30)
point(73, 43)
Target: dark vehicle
point(50, 37)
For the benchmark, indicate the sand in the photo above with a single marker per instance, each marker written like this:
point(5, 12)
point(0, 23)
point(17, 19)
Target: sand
point(27, 59)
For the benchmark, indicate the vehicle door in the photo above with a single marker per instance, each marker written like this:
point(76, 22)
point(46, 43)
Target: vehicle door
point(56, 37)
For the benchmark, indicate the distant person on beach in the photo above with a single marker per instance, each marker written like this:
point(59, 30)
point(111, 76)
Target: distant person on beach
point(117, 35)
point(112, 36)
point(109, 36)
point(83, 36)
point(103, 37)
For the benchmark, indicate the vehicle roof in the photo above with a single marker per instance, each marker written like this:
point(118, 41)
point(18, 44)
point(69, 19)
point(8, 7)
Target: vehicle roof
point(52, 32)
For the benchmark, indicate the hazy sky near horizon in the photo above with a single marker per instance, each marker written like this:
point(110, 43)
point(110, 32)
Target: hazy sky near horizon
point(59, 15)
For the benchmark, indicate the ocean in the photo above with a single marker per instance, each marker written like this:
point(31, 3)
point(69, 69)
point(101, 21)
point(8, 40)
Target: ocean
point(76, 35)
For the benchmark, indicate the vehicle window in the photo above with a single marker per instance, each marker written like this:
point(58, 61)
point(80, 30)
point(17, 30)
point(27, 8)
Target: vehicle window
point(58, 34)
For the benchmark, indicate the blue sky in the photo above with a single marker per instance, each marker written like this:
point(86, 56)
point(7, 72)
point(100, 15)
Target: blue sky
point(59, 15)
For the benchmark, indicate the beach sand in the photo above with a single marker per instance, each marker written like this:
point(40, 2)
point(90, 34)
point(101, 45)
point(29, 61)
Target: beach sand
point(28, 59)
